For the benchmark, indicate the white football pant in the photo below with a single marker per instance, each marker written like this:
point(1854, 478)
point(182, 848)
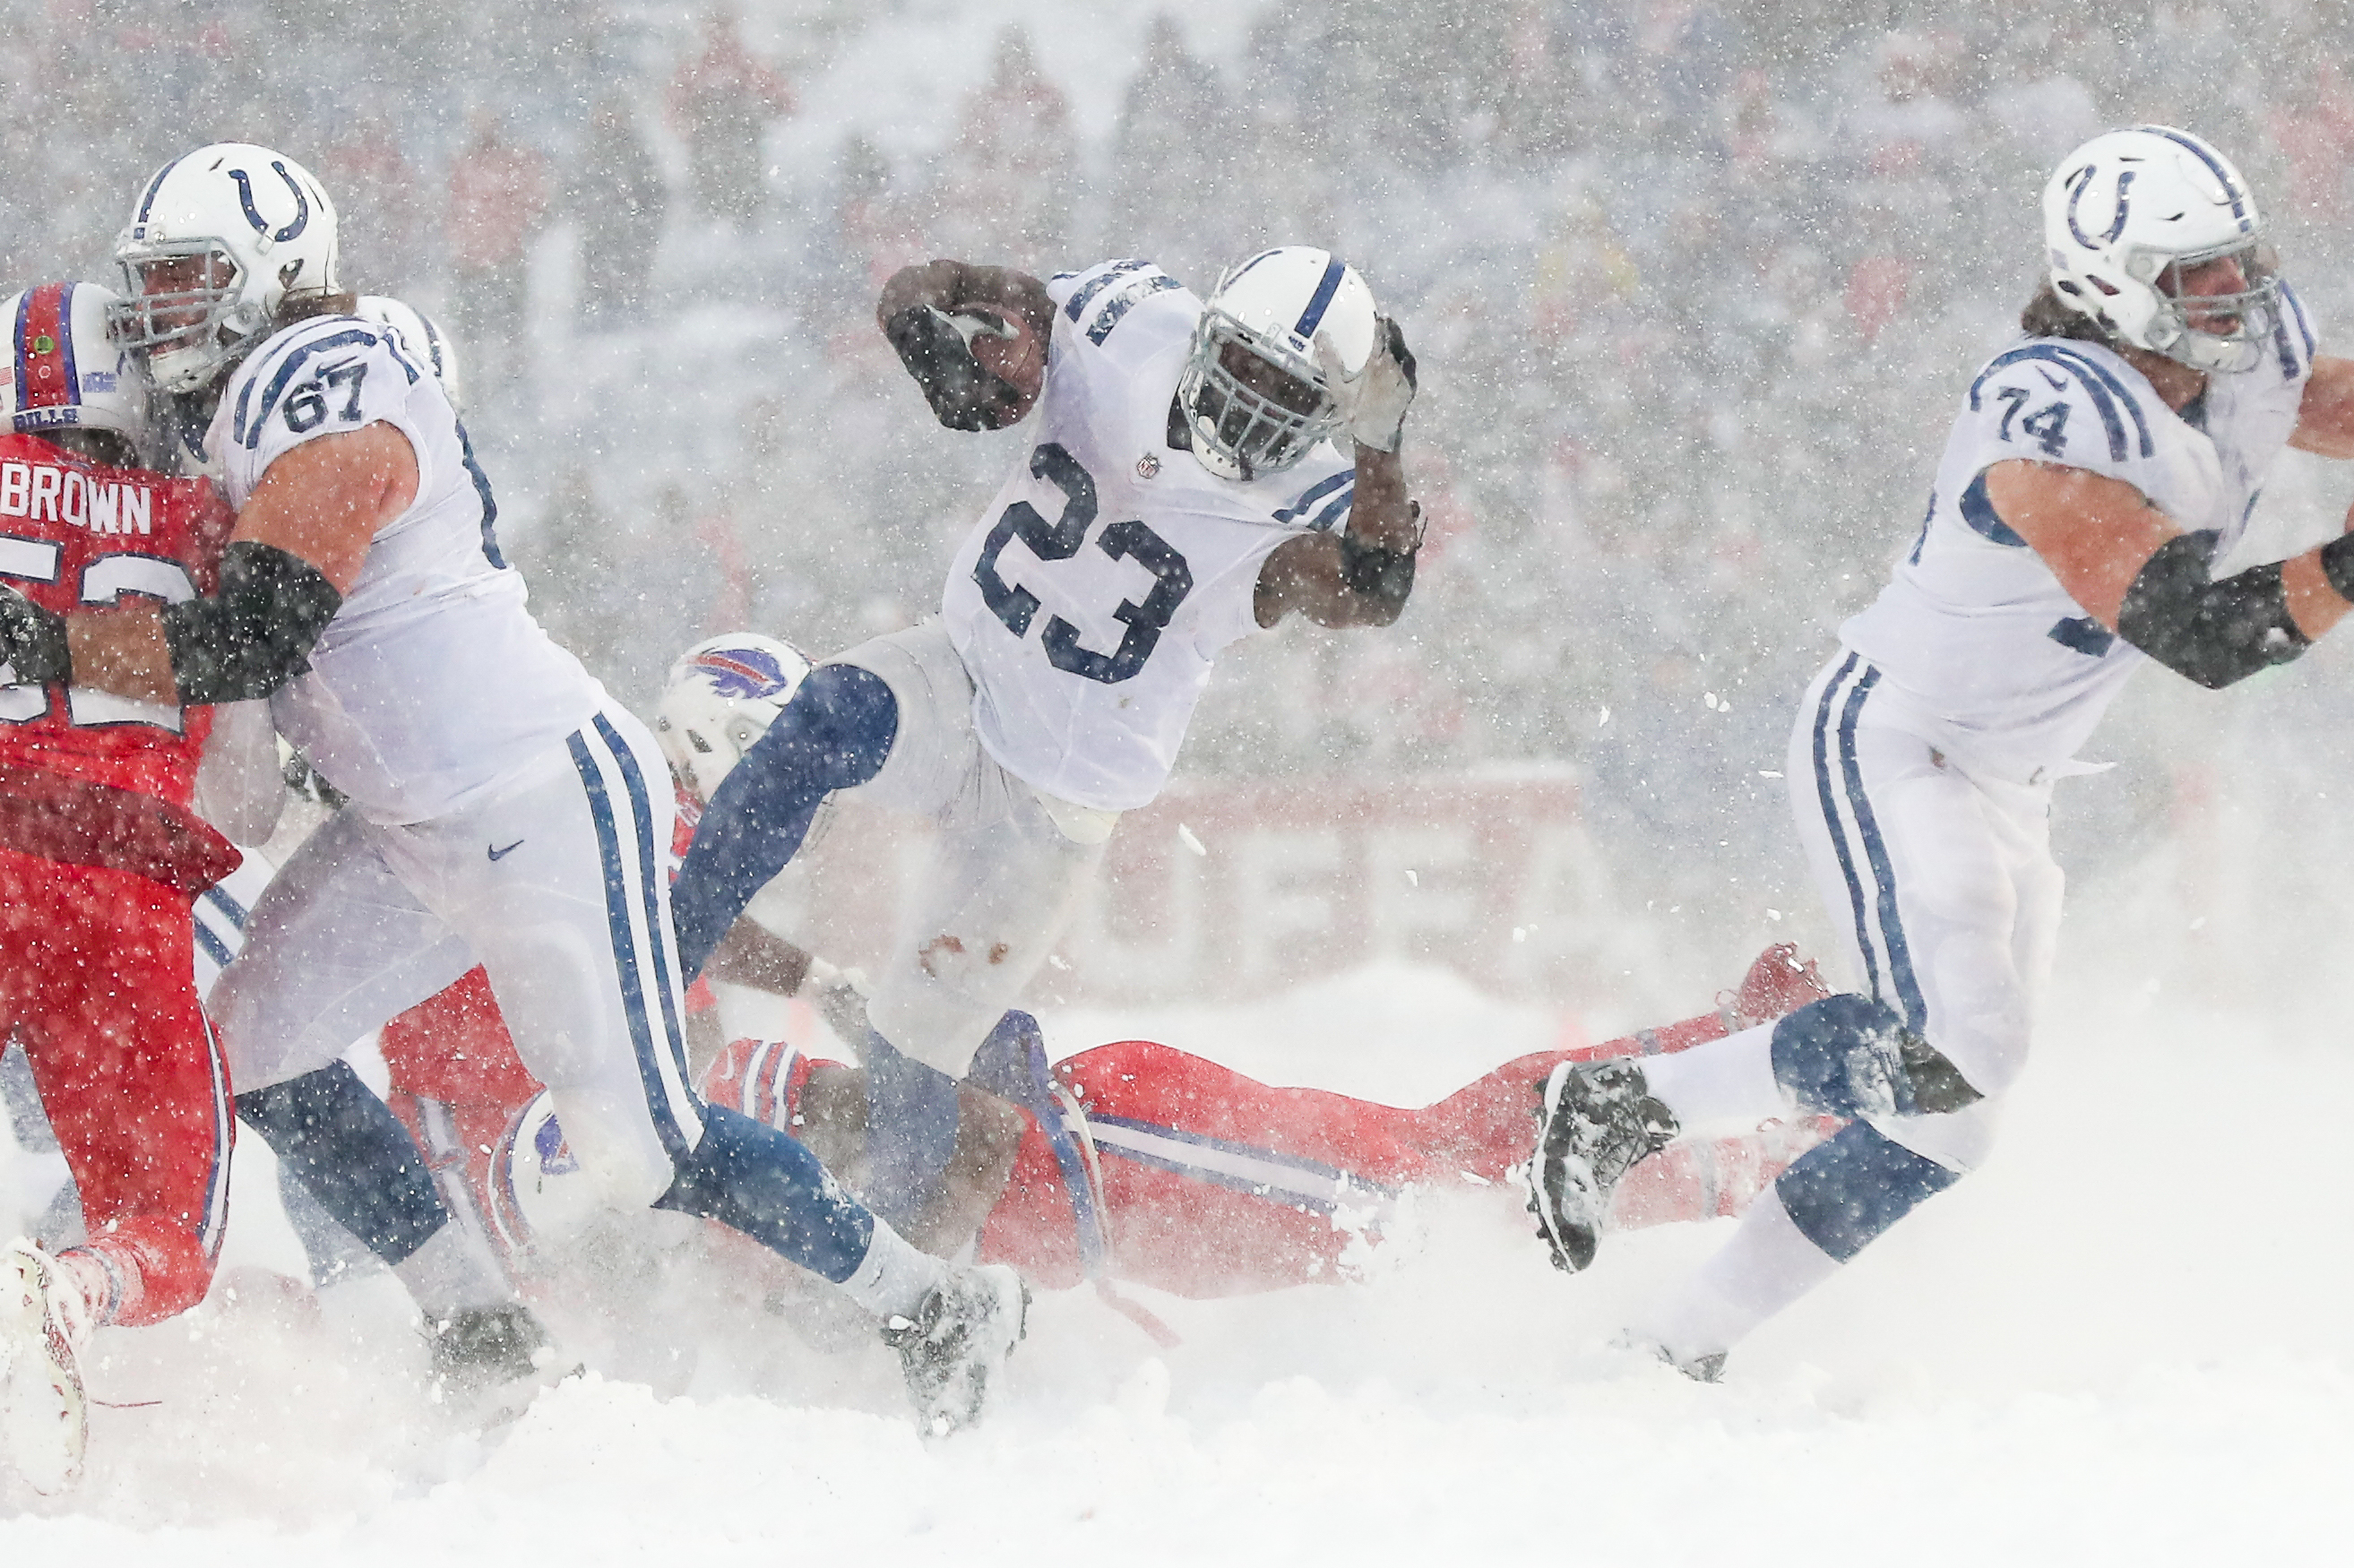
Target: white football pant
point(559, 887)
point(1941, 885)
point(1006, 871)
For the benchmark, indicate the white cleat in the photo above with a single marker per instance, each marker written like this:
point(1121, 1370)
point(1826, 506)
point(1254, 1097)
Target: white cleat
point(954, 1347)
point(44, 1414)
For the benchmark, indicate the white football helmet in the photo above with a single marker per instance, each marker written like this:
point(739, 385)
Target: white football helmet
point(65, 371)
point(537, 1191)
point(2128, 211)
point(721, 696)
point(419, 339)
point(219, 236)
point(1245, 422)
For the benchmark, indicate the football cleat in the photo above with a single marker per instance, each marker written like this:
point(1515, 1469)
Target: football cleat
point(1778, 981)
point(490, 1363)
point(1707, 1368)
point(1598, 1119)
point(43, 1413)
point(956, 1342)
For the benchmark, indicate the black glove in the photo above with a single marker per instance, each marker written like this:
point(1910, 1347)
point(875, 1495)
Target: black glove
point(33, 649)
point(963, 396)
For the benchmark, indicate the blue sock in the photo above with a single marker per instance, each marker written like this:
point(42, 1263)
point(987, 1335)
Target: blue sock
point(911, 1127)
point(1841, 1194)
point(747, 1175)
point(351, 1153)
point(835, 734)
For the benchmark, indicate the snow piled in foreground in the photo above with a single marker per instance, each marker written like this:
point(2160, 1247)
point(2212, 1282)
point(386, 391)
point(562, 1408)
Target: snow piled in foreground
point(2120, 1342)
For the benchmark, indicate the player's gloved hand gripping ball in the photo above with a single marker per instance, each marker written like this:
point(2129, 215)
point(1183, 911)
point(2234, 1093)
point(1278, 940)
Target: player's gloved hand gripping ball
point(33, 649)
point(938, 351)
point(1372, 403)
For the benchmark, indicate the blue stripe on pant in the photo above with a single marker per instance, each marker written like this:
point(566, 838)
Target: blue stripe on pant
point(1843, 1193)
point(675, 1139)
point(1829, 805)
point(650, 888)
point(730, 1168)
point(1884, 873)
point(1882, 907)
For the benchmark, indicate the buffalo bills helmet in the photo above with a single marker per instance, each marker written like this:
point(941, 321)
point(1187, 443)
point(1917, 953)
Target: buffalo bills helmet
point(425, 343)
point(65, 370)
point(720, 697)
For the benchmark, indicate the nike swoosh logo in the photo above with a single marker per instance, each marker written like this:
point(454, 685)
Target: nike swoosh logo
point(502, 853)
point(2059, 383)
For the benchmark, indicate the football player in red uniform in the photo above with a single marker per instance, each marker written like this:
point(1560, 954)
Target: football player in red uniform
point(101, 856)
point(1133, 1161)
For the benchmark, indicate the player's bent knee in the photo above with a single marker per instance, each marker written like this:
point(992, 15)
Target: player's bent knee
point(1850, 1056)
point(839, 727)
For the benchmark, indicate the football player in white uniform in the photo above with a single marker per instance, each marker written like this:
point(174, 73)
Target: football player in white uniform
point(1177, 491)
point(503, 810)
point(2096, 469)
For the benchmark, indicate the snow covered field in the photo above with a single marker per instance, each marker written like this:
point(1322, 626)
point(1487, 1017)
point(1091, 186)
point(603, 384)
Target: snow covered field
point(2122, 1342)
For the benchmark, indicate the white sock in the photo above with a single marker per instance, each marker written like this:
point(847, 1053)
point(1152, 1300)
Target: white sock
point(893, 1278)
point(1727, 1080)
point(1769, 1264)
point(452, 1272)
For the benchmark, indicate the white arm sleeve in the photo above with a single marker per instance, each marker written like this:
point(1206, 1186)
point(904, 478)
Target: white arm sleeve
point(239, 788)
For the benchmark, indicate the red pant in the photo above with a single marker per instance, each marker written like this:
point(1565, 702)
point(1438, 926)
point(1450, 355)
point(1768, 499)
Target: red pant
point(97, 987)
point(1216, 1184)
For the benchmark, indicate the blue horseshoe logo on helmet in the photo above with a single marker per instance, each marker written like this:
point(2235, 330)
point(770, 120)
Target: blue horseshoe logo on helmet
point(2076, 193)
point(302, 205)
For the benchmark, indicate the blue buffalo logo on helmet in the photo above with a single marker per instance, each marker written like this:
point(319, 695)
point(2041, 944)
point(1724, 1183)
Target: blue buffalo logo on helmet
point(742, 671)
point(555, 1156)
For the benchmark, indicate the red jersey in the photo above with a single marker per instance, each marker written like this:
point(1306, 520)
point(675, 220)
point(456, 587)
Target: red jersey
point(75, 535)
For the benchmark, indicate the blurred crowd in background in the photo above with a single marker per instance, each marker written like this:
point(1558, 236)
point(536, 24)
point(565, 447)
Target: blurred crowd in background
point(1694, 284)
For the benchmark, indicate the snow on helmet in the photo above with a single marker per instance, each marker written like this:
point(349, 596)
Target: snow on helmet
point(65, 370)
point(256, 227)
point(424, 343)
point(720, 697)
point(1271, 310)
point(2126, 213)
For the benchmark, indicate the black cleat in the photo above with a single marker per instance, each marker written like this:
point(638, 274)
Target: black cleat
point(1598, 1119)
point(492, 1360)
point(954, 1346)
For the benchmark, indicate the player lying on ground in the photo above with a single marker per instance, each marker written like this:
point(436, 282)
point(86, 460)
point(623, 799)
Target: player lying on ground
point(2097, 469)
point(499, 809)
point(1177, 492)
point(1132, 1161)
point(1136, 1162)
point(101, 853)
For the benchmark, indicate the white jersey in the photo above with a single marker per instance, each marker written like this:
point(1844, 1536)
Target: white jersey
point(432, 686)
point(1976, 642)
point(1096, 592)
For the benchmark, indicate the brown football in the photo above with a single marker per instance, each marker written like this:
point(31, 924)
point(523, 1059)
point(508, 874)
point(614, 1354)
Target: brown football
point(1020, 360)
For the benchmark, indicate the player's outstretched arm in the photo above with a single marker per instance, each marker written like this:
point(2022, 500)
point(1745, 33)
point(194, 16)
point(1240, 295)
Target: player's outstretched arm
point(2325, 417)
point(2134, 569)
point(974, 338)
